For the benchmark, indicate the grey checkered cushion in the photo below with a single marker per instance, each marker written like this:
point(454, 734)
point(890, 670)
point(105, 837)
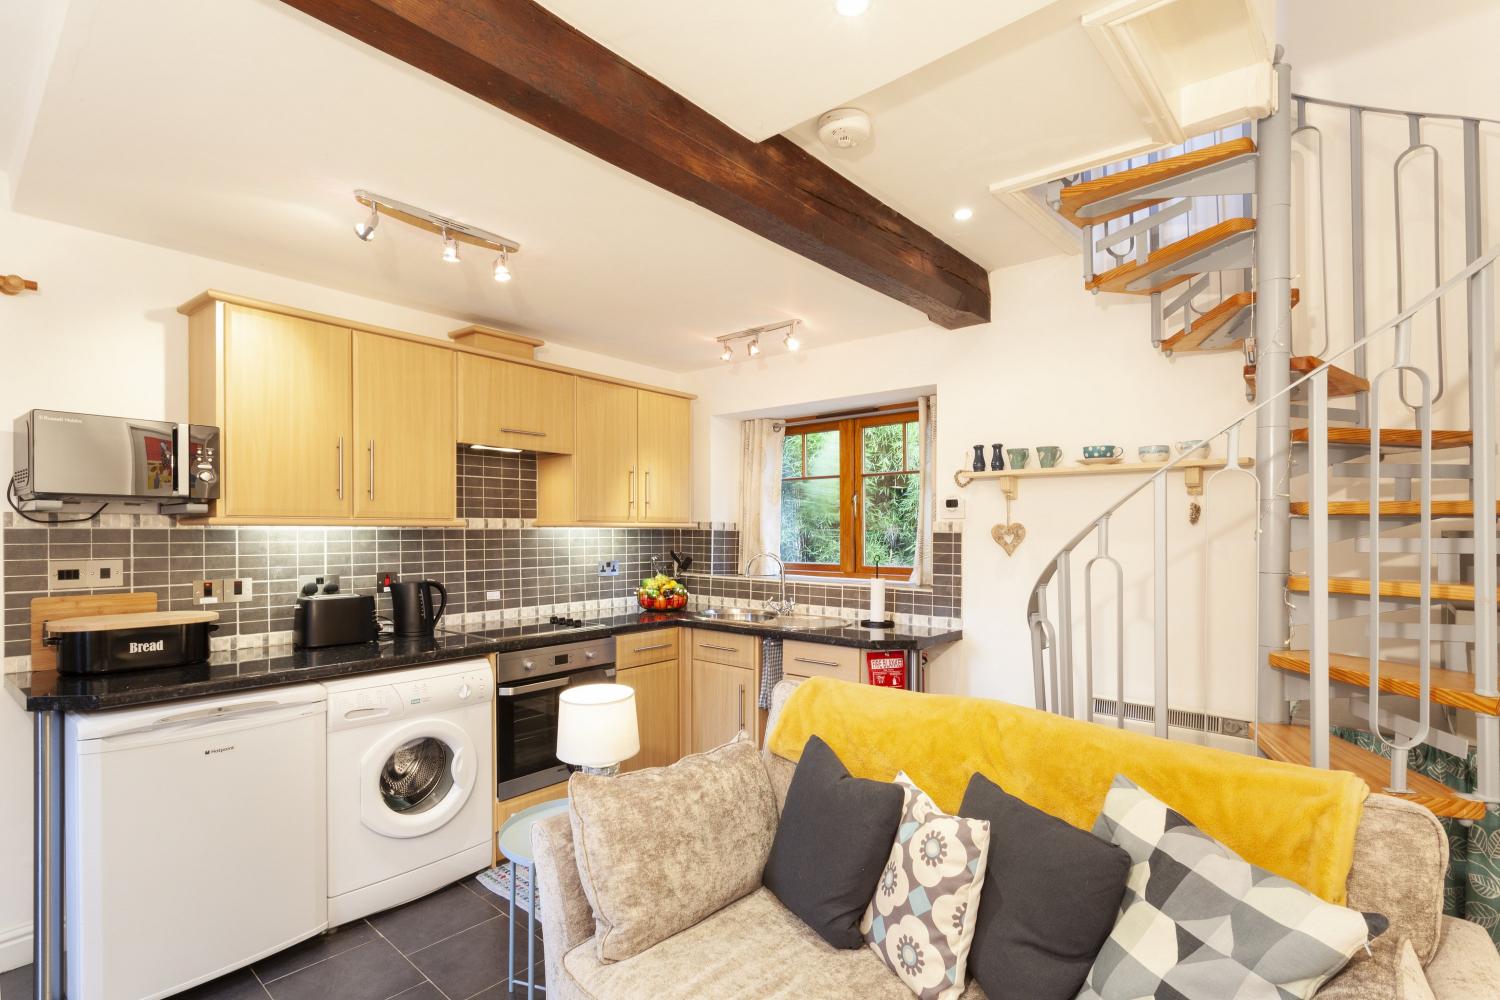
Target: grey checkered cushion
point(1200, 923)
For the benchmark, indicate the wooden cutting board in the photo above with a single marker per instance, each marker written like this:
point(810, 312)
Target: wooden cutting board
point(50, 609)
point(114, 623)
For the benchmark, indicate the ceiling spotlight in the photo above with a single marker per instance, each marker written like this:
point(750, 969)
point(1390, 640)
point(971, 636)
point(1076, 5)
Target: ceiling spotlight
point(450, 249)
point(754, 349)
point(366, 230)
point(502, 267)
point(791, 341)
point(727, 354)
point(963, 214)
point(851, 8)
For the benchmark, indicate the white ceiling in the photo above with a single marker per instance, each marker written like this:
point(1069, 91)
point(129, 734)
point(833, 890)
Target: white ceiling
point(238, 130)
point(763, 67)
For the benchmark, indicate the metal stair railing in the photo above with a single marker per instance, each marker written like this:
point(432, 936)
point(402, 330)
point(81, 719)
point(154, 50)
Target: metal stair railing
point(1052, 623)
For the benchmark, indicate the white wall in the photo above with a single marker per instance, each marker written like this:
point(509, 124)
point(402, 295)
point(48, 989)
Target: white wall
point(102, 335)
point(1056, 366)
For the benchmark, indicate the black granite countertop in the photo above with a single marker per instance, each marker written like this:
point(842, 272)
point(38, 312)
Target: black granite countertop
point(272, 666)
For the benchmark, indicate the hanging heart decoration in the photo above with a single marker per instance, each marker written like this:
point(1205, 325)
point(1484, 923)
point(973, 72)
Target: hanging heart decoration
point(1009, 536)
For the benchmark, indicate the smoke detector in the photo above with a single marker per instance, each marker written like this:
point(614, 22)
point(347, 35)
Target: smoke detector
point(844, 128)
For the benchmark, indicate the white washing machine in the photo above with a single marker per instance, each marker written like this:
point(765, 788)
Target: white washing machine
point(410, 784)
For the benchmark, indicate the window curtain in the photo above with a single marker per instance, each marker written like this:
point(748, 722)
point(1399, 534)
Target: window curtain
point(921, 564)
point(1472, 888)
point(760, 487)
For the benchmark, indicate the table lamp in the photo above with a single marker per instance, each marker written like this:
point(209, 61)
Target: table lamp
point(596, 727)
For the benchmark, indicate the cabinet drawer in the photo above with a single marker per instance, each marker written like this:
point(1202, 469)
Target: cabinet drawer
point(637, 648)
point(724, 647)
point(812, 659)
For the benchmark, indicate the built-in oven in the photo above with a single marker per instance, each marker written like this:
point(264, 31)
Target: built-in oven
point(528, 687)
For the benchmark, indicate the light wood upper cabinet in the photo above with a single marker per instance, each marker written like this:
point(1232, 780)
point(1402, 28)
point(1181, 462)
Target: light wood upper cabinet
point(664, 452)
point(507, 405)
point(656, 691)
point(403, 429)
point(606, 479)
point(287, 435)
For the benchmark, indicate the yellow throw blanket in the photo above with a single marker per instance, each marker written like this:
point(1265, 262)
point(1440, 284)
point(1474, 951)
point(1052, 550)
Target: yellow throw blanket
point(1294, 821)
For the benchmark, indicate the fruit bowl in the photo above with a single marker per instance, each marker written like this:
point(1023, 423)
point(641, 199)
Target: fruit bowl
point(661, 593)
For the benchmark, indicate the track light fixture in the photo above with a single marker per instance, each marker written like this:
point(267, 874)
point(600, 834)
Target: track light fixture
point(366, 230)
point(452, 231)
point(752, 338)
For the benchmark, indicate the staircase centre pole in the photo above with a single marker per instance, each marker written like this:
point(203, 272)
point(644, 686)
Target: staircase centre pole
point(1273, 342)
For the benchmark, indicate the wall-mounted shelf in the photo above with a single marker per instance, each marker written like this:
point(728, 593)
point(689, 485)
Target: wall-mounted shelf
point(1010, 479)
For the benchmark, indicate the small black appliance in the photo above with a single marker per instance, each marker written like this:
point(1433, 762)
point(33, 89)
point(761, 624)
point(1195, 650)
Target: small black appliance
point(412, 609)
point(334, 620)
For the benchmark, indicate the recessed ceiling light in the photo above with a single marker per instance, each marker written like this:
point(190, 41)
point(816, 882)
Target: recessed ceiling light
point(963, 214)
point(851, 8)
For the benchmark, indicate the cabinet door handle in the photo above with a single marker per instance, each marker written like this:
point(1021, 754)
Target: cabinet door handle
point(816, 663)
point(341, 466)
point(742, 706)
point(632, 486)
point(647, 649)
point(721, 649)
point(648, 489)
point(517, 430)
point(372, 469)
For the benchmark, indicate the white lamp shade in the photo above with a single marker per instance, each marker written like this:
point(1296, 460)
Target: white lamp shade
point(596, 725)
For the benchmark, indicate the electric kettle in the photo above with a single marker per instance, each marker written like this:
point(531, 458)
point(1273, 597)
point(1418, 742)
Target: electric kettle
point(411, 607)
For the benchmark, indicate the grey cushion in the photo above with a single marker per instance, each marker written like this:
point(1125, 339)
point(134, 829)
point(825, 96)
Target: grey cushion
point(1201, 923)
point(1051, 895)
point(835, 834)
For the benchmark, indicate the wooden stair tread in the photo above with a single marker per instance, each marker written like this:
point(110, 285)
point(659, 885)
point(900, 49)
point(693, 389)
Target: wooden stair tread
point(1293, 745)
point(1412, 589)
point(1191, 338)
point(1074, 200)
point(1448, 687)
point(1340, 382)
point(1390, 437)
point(1391, 508)
point(1118, 279)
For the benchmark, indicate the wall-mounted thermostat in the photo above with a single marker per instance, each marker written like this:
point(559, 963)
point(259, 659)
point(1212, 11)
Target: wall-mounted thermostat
point(951, 508)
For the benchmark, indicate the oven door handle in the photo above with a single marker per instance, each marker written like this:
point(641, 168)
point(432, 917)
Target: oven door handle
point(511, 692)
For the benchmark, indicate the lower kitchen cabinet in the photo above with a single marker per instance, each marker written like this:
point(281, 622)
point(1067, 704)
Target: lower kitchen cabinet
point(723, 704)
point(656, 709)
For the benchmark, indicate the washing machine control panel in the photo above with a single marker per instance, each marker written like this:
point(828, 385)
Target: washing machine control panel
point(350, 706)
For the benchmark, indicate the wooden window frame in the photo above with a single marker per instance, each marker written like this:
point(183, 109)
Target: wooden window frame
point(851, 488)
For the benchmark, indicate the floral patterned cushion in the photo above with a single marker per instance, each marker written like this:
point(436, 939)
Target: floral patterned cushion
point(921, 921)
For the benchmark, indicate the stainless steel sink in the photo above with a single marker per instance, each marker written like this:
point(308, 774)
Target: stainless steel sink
point(793, 623)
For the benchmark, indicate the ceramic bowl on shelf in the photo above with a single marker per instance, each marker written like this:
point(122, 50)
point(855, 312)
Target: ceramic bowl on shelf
point(1154, 453)
point(1193, 448)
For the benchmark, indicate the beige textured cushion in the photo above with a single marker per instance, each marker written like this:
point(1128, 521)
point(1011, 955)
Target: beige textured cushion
point(660, 849)
point(1389, 971)
point(1400, 858)
point(1466, 966)
point(755, 949)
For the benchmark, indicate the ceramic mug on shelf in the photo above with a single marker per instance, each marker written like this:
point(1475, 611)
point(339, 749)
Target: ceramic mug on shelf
point(1048, 455)
point(1154, 453)
point(1018, 457)
point(1102, 451)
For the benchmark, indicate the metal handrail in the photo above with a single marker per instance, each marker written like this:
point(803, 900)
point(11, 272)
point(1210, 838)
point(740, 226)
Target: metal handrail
point(1402, 112)
point(1406, 316)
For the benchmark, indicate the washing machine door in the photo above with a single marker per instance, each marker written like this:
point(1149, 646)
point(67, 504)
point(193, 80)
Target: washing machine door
point(417, 778)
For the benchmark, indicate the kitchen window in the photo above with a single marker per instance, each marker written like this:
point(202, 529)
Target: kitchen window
point(850, 492)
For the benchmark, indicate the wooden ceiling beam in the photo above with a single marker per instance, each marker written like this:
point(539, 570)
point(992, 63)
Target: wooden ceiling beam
point(524, 60)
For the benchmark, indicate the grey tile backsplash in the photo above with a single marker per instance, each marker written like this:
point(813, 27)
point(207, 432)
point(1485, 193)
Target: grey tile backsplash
point(499, 563)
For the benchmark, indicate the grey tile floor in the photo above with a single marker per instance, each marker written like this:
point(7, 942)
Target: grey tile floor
point(450, 945)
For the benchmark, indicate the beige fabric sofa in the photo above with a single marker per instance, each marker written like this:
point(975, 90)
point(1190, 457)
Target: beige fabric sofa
point(754, 949)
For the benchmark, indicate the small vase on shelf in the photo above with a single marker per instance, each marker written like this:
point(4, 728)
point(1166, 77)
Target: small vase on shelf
point(997, 459)
point(979, 458)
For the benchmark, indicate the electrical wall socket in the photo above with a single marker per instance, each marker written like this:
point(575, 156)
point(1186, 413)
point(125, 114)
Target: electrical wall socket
point(492, 595)
point(85, 574)
point(610, 568)
point(236, 590)
point(206, 591)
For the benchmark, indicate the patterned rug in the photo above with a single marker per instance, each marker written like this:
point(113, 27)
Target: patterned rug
point(497, 880)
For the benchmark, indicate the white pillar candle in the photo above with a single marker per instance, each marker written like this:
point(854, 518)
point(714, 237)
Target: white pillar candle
point(877, 600)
